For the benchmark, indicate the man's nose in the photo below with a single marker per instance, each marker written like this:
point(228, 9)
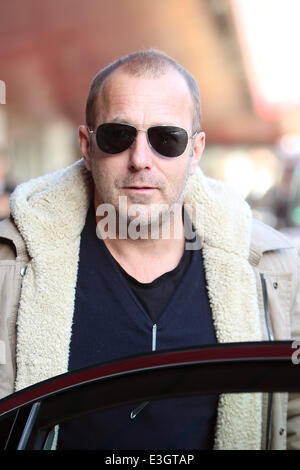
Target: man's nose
point(140, 152)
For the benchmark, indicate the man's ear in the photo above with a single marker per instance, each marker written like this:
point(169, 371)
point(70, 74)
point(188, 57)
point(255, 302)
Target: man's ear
point(199, 145)
point(84, 143)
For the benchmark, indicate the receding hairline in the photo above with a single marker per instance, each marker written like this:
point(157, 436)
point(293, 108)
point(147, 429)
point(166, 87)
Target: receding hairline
point(150, 63)
point(103, 95)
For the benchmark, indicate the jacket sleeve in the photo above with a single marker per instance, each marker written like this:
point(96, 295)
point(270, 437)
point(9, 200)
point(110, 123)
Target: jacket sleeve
point(7, 320)
point(10, 287)
point(293, 425)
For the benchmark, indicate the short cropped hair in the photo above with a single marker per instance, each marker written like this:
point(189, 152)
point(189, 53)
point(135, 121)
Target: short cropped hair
point(151, 63)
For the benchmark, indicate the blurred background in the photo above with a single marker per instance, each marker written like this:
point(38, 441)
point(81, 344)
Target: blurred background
point(243, 54)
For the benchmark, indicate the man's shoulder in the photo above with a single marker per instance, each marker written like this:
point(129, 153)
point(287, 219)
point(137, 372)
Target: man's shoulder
point(11, 240)
point(8, 229)
point(265, 239)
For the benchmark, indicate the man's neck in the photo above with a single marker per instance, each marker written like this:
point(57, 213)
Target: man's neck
point(145, 259)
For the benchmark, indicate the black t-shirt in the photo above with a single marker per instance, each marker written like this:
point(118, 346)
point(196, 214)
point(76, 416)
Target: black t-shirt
point(154, 296)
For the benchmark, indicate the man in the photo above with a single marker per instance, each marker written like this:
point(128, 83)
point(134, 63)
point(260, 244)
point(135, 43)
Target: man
point(84, 287)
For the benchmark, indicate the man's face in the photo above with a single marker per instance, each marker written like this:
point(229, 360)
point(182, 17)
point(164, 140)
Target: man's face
point(140, 173)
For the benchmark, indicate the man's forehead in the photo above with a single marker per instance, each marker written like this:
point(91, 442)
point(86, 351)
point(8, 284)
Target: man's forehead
point(122, 89)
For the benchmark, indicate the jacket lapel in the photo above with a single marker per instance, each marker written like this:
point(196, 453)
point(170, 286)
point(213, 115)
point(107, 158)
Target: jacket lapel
point(223, 222)
point(50, 213)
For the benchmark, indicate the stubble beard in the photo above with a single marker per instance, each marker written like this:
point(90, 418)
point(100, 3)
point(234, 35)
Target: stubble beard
point(149, 217)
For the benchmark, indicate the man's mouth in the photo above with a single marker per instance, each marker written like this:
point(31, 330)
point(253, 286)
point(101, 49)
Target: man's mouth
point(140, 188)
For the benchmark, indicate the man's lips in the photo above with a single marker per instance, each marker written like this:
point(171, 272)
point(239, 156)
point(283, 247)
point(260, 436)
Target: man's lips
point(140, 188)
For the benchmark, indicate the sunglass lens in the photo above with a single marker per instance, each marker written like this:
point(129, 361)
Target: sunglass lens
point(114, 137)
point(168, 140)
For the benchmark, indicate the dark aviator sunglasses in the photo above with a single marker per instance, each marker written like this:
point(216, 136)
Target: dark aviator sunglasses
point(169, 141)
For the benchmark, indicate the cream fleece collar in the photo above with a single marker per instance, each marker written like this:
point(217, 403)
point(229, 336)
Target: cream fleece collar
point(50, 213)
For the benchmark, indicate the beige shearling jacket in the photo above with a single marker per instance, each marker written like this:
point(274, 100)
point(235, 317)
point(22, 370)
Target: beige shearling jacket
point(243, 258)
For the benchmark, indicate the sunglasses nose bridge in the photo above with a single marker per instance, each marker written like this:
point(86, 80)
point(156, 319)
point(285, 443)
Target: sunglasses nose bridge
point(145, 131)
point(140, 155)
point(138, 130)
